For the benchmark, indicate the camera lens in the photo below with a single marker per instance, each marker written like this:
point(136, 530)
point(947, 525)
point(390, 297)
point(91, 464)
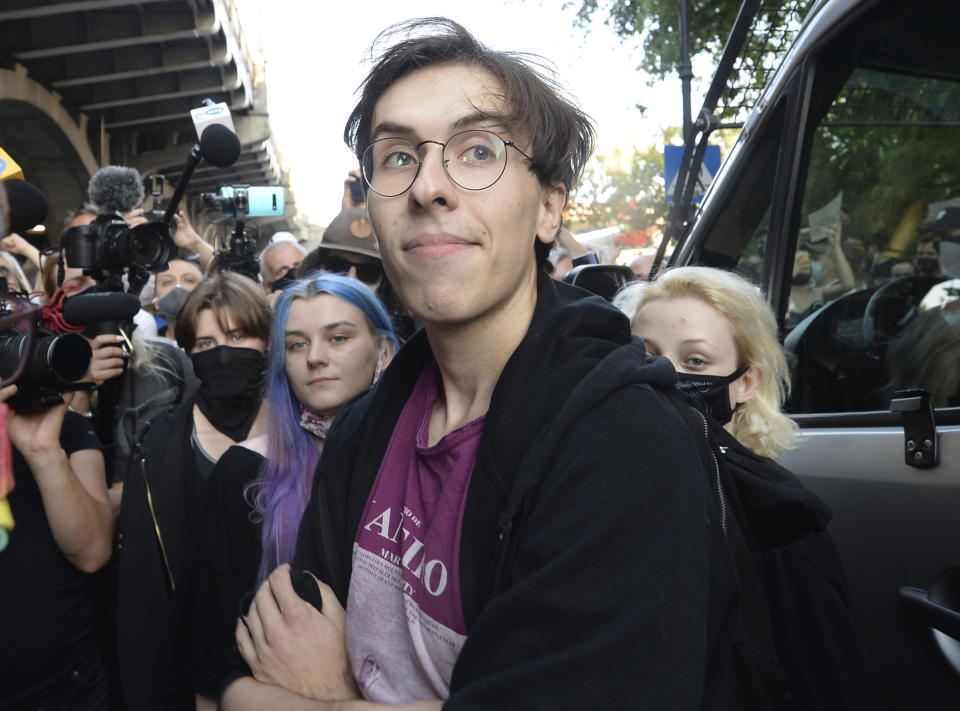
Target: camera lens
point(150, 245)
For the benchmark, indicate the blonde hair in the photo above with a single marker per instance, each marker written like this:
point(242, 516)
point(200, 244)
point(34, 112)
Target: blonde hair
point(759, 424)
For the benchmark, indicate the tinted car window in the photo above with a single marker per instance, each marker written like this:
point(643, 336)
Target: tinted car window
point(873, 304)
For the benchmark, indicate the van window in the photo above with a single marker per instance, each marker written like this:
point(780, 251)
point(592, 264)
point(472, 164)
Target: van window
point(875, 297)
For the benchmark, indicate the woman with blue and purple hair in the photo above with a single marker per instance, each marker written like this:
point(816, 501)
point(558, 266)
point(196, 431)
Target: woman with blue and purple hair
point(330, 339)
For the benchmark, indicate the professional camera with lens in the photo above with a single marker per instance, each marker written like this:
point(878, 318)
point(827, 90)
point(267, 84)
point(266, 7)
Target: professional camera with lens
point(108, 245)
point(44, 364)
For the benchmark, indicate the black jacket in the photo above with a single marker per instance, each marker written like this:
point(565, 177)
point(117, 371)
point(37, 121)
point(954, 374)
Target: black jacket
point(825, 661)
point(593, 568)
point(154, 556)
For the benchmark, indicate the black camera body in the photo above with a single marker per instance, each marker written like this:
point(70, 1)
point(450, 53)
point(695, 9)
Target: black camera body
point(108, 245)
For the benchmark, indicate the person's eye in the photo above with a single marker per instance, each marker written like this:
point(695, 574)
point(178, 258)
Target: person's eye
point(238, 335)
point(695, 362)
point(339, 338)
point(204, 343)
point(296, 346)
point(399, 158)
point(191, 280)
point(479, 150)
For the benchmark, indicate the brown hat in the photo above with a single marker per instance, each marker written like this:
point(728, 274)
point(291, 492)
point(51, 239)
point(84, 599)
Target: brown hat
point(351, 231)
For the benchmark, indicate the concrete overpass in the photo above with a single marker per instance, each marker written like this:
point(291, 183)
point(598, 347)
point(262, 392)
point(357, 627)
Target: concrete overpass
point(86, 83)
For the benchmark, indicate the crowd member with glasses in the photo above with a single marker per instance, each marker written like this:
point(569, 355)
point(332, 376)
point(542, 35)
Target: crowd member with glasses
point(490, 526)
point(349, 247)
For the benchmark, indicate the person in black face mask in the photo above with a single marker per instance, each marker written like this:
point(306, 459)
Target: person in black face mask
point(224, 327)
point(721, 337)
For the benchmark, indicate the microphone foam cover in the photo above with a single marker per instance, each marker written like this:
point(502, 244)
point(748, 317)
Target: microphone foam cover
point(115, 188)
point(219, 145)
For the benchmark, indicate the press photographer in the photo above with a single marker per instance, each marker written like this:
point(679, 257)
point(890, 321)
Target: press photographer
point(63, 528)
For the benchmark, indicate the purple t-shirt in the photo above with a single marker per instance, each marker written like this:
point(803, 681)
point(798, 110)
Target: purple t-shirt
point(405, 623)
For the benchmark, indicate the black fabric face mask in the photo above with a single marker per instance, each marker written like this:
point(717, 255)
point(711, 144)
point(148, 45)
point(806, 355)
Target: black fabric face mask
point(711, 392)
point(283, 282)
point(231, 387)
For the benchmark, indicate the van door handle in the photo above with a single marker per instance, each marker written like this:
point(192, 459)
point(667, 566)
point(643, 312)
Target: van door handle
point(917, 601)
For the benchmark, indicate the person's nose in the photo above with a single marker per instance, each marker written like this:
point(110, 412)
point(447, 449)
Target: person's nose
point(317, 354)
point(433, 186)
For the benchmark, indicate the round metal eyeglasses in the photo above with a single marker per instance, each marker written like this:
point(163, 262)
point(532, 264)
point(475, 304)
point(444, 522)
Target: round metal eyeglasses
point(474, 160)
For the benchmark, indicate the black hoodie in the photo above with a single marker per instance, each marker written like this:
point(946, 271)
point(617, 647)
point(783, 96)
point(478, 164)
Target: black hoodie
point(593, 567)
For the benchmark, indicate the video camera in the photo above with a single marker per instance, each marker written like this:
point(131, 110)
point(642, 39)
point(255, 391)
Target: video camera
point(109, 245)
point(43, 363)
point(240, 202)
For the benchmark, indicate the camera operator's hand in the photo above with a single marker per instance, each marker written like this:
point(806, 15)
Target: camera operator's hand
point(72, 488)
point(136, 217)
point(186, 238)
point(107, 360)
point(37, 434)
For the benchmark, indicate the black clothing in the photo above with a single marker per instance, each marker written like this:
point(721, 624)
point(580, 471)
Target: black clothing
point(155, 554)
point(592, 565)
point(824, 658)
point(229, 557)
point(47, 603)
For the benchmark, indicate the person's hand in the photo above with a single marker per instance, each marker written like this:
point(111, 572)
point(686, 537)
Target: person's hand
point(37, 434)
point(348, 202)
point(185, 237)
point(289, 643)
point(107, 360)
point(7, 392)
point(136, 217)
point(835, 237)
point(15, 244)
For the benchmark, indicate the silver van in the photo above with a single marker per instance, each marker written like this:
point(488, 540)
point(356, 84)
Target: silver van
point(842, 199)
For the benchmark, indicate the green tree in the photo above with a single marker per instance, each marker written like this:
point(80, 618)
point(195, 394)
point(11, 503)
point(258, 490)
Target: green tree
point(656, 23)
point(625, 189)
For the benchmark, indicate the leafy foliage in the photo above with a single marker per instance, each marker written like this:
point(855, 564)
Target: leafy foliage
point(625, 189)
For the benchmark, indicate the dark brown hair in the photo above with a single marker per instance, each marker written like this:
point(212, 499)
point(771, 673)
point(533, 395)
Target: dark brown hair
point(560, 135)
point(231, 296)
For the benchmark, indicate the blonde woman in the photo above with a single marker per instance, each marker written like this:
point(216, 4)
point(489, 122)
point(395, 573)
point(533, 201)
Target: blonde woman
point(721, 336)
point(713, 324)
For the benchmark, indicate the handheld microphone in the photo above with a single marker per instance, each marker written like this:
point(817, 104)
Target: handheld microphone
point(28, 205)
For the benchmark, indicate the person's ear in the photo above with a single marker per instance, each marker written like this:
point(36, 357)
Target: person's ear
point(553, 198)
point(748, 383)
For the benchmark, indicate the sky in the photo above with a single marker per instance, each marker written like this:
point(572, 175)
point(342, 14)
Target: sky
point(314, 55)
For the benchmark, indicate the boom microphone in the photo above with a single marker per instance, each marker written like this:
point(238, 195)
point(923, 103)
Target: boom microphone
point(83, 309)
point(219, 146)
point(115, 189)
point(28, 206)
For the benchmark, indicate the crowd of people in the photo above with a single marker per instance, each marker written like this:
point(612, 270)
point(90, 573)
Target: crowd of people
point(407, 468)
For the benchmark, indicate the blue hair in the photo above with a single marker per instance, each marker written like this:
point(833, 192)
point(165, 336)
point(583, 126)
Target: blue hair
point(280, 493)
